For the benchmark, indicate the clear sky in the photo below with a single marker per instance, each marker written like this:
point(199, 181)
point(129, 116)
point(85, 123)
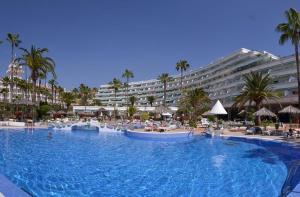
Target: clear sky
point(93, 41)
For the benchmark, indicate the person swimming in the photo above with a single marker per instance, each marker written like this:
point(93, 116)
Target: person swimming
point(50, 135)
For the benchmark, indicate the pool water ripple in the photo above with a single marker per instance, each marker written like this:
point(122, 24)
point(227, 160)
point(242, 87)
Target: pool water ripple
point(106, 164)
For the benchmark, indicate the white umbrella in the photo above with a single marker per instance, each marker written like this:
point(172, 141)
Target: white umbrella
point(218, 109)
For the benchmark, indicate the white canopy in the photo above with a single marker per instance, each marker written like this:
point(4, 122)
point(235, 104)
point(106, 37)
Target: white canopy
point(218, 109)
point(166, 114)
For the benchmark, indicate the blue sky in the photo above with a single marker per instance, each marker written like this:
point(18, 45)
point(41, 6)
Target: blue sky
point(93, 41)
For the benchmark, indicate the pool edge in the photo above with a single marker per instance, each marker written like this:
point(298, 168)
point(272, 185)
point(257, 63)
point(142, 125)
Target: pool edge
point(9, 189)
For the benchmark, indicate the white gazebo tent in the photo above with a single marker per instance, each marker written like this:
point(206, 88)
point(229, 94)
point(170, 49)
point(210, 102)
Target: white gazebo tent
point(218, 109)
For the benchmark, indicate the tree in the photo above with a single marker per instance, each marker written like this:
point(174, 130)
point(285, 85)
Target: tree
point(182, 65)
point(151, 100)
point(68, 98)
point(132, 100)
point(21, 84)
point(84, 94)
point(194, 102)
point(257, 89)
point(164, 78)
point(131, 111)
point(61, 91)
point(115, 84)
point(97, 102)
point(75, 92)
point(127, 74)
point(35, 60)
point(4, 92)
point(14, 41)
point(291, 31)
point(53, 84)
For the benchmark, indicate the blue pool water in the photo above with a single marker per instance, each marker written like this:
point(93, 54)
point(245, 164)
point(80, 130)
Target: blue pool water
point(111, 164)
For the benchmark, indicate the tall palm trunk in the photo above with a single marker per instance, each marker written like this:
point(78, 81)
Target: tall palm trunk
point(52, 93)
point(181, 80)
point(165, 92)
point(258, 117)
point(115, 106)
point(298, 74)
point(33, 90)
point(39, 92)
point(127, 85)
point(11, 85)
point(55, 95)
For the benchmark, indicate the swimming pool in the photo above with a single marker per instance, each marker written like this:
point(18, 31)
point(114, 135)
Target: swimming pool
point(111, 164)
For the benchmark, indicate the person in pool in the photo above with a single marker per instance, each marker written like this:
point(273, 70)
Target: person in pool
point(50, 135)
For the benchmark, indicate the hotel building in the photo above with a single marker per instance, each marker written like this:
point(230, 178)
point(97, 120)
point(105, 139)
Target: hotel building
point(20, 94)
point(222, 79)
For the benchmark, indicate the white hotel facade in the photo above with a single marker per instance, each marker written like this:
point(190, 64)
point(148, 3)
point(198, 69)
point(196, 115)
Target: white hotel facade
point(222, 80)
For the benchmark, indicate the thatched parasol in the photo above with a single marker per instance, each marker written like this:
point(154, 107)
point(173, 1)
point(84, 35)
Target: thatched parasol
point(264, 112)
point(88, 114)
point(290, 110)
point(242, 112)
point(207, 113)
point(61, 112)
point(51, 112)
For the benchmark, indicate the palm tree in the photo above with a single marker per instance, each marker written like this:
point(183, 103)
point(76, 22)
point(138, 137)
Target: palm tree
point(21, 84)
point(116, 84)
point(291, 31)
point(84, 94)
point(4, 92)
point(257, 89)
point(14, 41)
point(60, 94)
point(132, 100)
point(164, 78)
point(194, 102)
point(151, 100)
point(52, 83)
point(127, 74)
point(5, 83)
point(75, 92)
point(182, 65)
point(68, 98)
point(37, 63)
